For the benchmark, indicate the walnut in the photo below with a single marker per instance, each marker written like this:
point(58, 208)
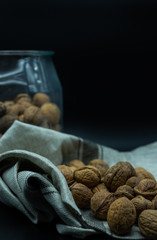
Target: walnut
point(13, 109)
point(67, 173)
point(33, 115)
point(17, 108)
point(100, 187)
point(9, 103)
point(81, 194)
point(143, 173)
point(147, 223)
point(147, 188)
point(40, 98)
point(3, 109)
point(118, 174)
point(48, 119)
point(76, 163)
point(88, 175)
point(101, 165)
point(133, 181)
point(1, 135)
point(154, 201)
point(9, 109)
point(52, 112)
point(141, 204)
point(21, 118)
point(24, 104)
point(24, 101)
point(22, 97)
point(121, 216)
point(6, 121)
point(100, 203)
point(125, 191)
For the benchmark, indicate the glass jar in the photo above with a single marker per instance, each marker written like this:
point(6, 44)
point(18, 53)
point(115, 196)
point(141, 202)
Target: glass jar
point(30, 90)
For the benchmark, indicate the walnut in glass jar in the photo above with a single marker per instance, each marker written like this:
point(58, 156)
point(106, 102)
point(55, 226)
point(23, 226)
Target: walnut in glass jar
point(40, 98)
point(3, 109)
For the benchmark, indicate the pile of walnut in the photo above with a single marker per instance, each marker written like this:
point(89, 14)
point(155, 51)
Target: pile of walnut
point(121, 195)
point(38, 110)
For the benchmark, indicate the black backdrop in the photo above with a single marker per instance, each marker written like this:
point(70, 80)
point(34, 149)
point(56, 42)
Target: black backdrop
point(105, 53)
point(105, 56)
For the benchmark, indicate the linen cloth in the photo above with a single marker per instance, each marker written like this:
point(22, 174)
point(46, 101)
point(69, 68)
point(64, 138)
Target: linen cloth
point(31, 182)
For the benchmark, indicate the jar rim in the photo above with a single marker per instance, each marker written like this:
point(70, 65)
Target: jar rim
point(26, 53)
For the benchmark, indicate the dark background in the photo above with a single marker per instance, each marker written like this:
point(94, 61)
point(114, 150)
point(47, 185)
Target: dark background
point(105, 56)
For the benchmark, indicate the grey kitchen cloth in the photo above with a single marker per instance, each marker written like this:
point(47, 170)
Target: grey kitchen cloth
point(31, 182)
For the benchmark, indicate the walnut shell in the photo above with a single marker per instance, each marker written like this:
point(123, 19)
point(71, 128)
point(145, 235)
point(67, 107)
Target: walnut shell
point(40, 98)
point(100, 187)
point(24, 101)
point(154, 201)
point(125, 191)
point(3, 109)
point(101, 165)
point(33, 115)
point(121, 216)
point(147, 188)
point(100, 203)
point(141, 204)
point(143, 173)
point(24, 104)
point(6, 121)
point(21, 118)
point(88, 175)
point(76, 163)
point(22, 97)
point(81, 194)
point(67, 173)
point(13, 109)
point(52, 112)
point(133, 181)
point(147, 223)
point(18, 108)
point(118, 174)
point(9, 103)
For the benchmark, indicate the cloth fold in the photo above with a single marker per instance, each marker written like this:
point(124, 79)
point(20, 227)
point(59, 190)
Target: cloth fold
point(31, 182)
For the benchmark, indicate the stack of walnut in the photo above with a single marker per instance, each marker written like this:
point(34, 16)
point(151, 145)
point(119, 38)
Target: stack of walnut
point(121, 195)
point(38, 110)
